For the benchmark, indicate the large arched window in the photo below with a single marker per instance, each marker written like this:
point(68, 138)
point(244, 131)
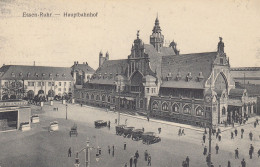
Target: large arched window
point(87, 96)
point(187, 109)
point(199, 111)
point(155, 105)
point(103, 98)
point(165, 106)
point(97, 97)
point(175, 108)
point(92, 97)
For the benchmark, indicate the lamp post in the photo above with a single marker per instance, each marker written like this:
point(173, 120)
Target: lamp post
point(210, 98)
point(87, 150)
point(66, 111)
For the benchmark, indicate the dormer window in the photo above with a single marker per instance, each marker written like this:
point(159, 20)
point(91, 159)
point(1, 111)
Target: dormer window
point(200, 77)
point(178, 77)
point(36, 75)
point(28, 74)
point(57, 75)
point(50, 74)
point(169, 76)
point(43, 74)
point(111, 75)
point(189, 77)
point(99, 76)
point(63, 75)
point(20, 74)
point(12, 74)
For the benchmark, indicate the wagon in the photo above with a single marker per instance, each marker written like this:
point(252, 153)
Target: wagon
point(137, 134)
point(127, 131)
point(150, 138)
point(100, 124)
point(120, 129)
point(73, 130)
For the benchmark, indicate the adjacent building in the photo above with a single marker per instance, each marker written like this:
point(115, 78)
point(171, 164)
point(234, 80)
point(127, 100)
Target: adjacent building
point(17, 81)
point(158, 81)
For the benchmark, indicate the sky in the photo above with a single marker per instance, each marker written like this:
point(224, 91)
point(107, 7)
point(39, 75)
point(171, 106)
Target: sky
point(59, 41)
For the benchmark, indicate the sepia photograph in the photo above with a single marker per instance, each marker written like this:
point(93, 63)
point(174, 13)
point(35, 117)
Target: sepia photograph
point(113, 83)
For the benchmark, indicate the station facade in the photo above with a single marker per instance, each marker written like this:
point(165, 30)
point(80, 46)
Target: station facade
point(158, 81)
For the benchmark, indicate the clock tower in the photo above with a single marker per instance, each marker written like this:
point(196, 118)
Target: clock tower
point(157, 39)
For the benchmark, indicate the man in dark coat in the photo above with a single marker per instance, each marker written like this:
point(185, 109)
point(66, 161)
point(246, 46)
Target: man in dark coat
point(251, 136)
point(243, 163)
point(232, 135)
point(204, 138)
point(131, 161)
point(109, 150)
point(124, 145)
point(69, 152)
point(149, 160)
point(236, 154)
point(135, 161)
point(205, 150)
point(250, 153)
point(217, 148)
point(235, 132)
point(188, 161)
point(137, 154)
point(145, 155)
point(228, 164)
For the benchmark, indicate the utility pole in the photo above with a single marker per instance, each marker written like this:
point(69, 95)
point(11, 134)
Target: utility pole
point(118, 120)
point(66, 111)
point(87, 154)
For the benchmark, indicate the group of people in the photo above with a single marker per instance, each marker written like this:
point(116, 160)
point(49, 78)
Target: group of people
point(186, 162)
point(134, 159)
point(181, 132)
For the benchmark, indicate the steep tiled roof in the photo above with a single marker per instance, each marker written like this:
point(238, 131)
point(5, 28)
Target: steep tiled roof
point(9, 72)
point(184, 64)
point(83, 67)
point(236, 92)
point(156, 58)
point(108, 71)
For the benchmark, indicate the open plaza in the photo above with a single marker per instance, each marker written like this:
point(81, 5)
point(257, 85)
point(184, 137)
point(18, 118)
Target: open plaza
point(39, 147)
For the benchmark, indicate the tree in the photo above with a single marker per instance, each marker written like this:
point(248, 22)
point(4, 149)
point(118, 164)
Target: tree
point(13, 89)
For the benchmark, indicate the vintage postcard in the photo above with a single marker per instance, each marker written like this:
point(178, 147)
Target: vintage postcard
point(110, 83)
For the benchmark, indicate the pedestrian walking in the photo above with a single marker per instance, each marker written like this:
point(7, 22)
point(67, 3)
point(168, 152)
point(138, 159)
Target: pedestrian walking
point(143, 129)
point(251, 136)
point(205, 131)
point(131, 161)
point(69, 152)
point(252, 148)
point(258, 153)
point(250, 153)
point(179, 133)
point(108, 150)
point(115, 121)
point(236, 154)
point(243, 163)
point(219, 137)
point(204, 138)
point(125, 121)
point(228, 164)
point(148, 118)
point(217, 148)
point(113, 148)
point(235, 132)
point(113, 153)
point(137, 154)
point(232, 135)
point(182, 132)
point(188, 161)
point(205, 150)
point(159, 130)
point(149, 160)
point(135, 161)
point(145, 155)
point(108, 125)
point(124, 145)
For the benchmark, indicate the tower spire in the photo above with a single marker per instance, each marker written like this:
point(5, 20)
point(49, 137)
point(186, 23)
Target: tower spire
point(157, 39)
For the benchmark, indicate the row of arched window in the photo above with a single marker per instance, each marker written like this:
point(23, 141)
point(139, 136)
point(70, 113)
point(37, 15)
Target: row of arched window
point(92, 97)
point(176, 108)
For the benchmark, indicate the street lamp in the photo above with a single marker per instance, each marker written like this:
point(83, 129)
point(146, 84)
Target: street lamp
point(210, 98)
point(87, 154)
point(66, 111)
